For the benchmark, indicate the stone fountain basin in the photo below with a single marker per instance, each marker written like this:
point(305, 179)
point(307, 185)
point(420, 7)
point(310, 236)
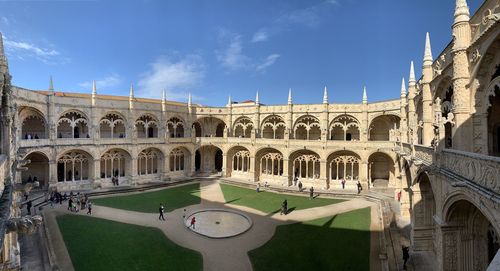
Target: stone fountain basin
point(219, 223)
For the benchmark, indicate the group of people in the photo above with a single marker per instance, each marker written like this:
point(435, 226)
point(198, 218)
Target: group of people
point(77, 202)
point(161, 217)
point(31, 136)
point(115, 180)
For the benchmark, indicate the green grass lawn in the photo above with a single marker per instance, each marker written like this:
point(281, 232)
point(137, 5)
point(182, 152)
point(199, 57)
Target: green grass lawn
point(99, 244)
point(269, 202)
point(149, 202)
point(341, 242)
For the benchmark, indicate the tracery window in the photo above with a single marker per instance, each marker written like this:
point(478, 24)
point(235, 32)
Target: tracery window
point(344, 167)
point(112, 126)
point(243, 127)
point(113, 164)
point(177, 160)
point(344, 128)
point(274, 128)
point(146, 127)
point(307, 166)
point(175, 127)
point(72, 124)
point(241, 161)
point(307, 128)
point(72, 166)
point(147, 162)
point(272, 164)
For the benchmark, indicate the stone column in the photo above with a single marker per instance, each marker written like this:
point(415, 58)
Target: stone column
point(224, 165)
point(133, 171)
point(52, 172)
point(252, 165)
point(285, 170)
point(193, 164)
point(363, 174)
point(322, 173)
point(96, 172)
point(165, 167)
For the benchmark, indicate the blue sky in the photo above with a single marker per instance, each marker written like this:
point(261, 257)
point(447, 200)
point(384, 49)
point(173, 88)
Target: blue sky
point(216, 48)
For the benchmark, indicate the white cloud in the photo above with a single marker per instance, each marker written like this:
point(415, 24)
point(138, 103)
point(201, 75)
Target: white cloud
point(232, 57)
point(24, 50)
point(270, 60)
point(260, 36)
point(175, 76)
point(106, 82)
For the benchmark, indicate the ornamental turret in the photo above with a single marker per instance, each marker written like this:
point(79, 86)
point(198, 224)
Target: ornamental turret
point(427, 76)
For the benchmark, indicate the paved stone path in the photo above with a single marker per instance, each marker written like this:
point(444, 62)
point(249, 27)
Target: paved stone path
point(218, 254)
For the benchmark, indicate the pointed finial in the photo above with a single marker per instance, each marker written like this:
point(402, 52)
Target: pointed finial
point(3, 58)
point(190, 99)
point(403, 88)
point(290, 96)
point(412, 80)
point(131, 95)
point(94, 88)
point(462, 13)
point(229, 101)
point(428, 49)
point(51, 84)
point(257, 97)
point(163, 96)
point(365, 97)
point(325, 96)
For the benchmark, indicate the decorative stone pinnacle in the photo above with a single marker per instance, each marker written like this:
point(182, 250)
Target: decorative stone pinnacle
point(131, 95)
point(94, 88)
point(403, 88)
point(462, 13)
point(325, 96)
point(163, 97)
point(229, 101)
point(365, 97)
point(257, 97)
point(51, 84)
point(290, 96)
point(190, 99)
point(428, 49)
point(412, 80)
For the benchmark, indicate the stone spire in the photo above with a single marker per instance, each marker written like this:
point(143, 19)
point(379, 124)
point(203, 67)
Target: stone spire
point(462, 13)
point(51, 84)
point(325, 96)
point(412, 80)
point(428, 51)
point(403, 88)
point(190, 100)
point(131, 97)
point(229, 101)
point(3, 58)
point(94, 92)
point(163, 101)
point(257, 102)
point(290, 96)
point(365, 97)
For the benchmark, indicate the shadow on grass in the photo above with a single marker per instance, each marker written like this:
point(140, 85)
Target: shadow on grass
point(229, 202)
point(340, 242)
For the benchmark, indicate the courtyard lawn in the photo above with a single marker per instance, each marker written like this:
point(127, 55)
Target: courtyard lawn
point(149, 202)
point(341, 242)
point(269, 202)
point(99, 244)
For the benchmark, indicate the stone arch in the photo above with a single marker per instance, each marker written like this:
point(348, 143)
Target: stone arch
point(197, 129)
point(33, 123)
point(343, 165)
point(382, 128)
point(175, 127)
point(149, 163)
point(210, 159)
point(307, 128)
point(270, 166)
point(423, 211)
point(112, 125)
point(238, 162)
point(304, 164)
point(37, 169)
point(179, 161)
point(273, 127)
point(443, 106)
point(146, 126)
point(75, 165)
point(344, 127)
point(115, 162)
point(211, 126)
point(73, 124)
point(465, 219)
point(243, 127)
point(381, 169)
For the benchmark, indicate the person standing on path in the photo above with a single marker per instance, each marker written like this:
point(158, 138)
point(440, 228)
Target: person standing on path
point(89, 208)
point(193, 222)
point(300, 186)
point(406, 256)
point(343, 183)
point(359, 187)
point(161, 210)
point(311, 193)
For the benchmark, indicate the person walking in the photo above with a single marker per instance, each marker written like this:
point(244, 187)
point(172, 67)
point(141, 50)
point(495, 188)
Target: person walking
point(311, 193)
point(284, 207)
point(89, 208)
point(300, 186)
point(161, 210)
point(359, 187)
point(343, 183)
point(28, 207)
point(406, 255)
point(193, 222)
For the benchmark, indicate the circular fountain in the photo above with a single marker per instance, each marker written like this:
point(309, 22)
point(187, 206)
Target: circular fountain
point(219, 223)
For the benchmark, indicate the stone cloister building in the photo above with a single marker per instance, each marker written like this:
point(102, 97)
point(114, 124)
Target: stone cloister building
point(438, 144)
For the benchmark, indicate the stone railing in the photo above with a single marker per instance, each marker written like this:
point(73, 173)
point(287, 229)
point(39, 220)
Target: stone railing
point(479, 169)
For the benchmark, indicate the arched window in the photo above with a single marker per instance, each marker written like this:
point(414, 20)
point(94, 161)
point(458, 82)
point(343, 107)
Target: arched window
point(113, 164)
point(243, 127)
point(146, 127)
point(344, 128)
point(307, 128)
point(272, 164)
point(33, 125)
point(73, 166)
point(112, 126)
point(148, 161)
point(177, 160)
point(72, 124)
point(241, 161)
point(307, 166)
point(175, 127)
point(274, 127)
point(344, 167)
